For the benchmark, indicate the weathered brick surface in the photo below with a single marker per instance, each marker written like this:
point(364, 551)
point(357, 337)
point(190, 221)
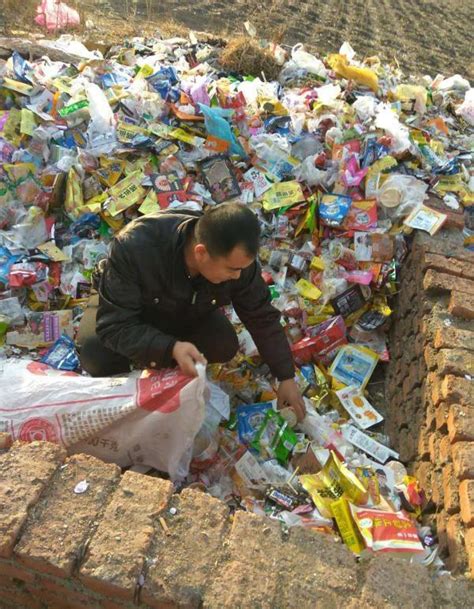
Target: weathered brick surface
point(461, 304)
point(463, 460)
point(433, 353)
point(466, 501)
point(25, 471)
point(199, 562)
point(455, 361)
point(451, 266)
point(457, 560)
point(451, 338)
point(182, 561)
point(384, 591)
point(461, 423)
point(469, 543)
point(450, 490)
point(434, 280)
point(116, 554)
point(57, 531)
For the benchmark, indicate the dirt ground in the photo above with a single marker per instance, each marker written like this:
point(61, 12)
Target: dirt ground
point(424, 36)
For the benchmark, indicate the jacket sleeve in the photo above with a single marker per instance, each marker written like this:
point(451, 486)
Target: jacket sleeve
point(252, 303)
point(119, 323)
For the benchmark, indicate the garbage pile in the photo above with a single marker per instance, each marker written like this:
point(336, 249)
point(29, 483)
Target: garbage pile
point(340, 159)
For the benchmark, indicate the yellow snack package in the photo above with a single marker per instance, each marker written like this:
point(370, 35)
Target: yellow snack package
point(74, 199)
point(349, 532)
point(27, 122)
point(343, 482)
point(317, 264)
point(150, 203)
point(321, 495)
point(307, 290)
point(283, 194)
point(126, 193)
point(363, 76)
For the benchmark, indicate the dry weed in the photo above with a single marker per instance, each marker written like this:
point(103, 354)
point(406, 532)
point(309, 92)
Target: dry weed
point(245, 56)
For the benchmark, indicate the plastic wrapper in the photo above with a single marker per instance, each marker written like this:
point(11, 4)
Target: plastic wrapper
point(333, 209)
point(387, 531)
point(275, 438)
point(360, 410)
point(62, 355)
point(354, 365)
point(250, 419)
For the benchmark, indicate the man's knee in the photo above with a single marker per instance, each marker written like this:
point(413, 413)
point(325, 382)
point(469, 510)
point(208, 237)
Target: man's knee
point(225, 345)
point(97, 360)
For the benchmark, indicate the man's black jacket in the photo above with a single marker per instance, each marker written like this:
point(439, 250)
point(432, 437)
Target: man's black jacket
point(145, 287)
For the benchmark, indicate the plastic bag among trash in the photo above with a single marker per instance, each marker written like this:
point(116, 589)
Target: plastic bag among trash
point(55, 15)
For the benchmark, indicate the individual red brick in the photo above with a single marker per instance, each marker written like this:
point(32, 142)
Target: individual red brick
point(56, 533)
point(451, 266)
point(444, 451)
point(455, 361)
point(446, 337)
point(196, 536)
point(461, 423)
point(441, 533)
point(463, 460)
point(25, 471)
point(422, 472)
point(461, 305)
point(433, 444)
point(466, 501)
point(21, 599)
point(116, 554)
point(451, 490)
point(442, 417)
point(12, 569)
point(454, 390)
point(457, 561)
point(437, 490)
point(431, 356)
point(423, 448)
point(469, 543)
point(444, 282)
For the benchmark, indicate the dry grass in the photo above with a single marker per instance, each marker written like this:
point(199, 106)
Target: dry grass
point(245, 56)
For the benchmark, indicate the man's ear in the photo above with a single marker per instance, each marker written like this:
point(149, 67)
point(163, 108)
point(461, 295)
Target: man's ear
point(200, 251)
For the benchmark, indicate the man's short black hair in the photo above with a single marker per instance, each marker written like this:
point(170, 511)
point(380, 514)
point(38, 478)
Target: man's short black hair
point(226, 226)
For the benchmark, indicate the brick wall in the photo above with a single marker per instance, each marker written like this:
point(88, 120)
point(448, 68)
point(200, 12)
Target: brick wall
point(429, 388)
point(128, 540)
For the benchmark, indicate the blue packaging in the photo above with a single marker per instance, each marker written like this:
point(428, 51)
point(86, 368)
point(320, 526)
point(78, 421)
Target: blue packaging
point(250, 418)
point(62, 355)
point(334, 208)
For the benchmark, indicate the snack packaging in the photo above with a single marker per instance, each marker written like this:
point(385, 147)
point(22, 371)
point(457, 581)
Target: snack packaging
point(354, 365)
point(62, 355)
point(387, 531)
point(364, 442)
point(275, 438)
point(249, 420)
point(334, 208)
point(360, 409)
point(349, 532)
point(425, 218)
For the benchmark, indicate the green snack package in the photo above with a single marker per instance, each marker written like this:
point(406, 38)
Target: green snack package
point(275, 439)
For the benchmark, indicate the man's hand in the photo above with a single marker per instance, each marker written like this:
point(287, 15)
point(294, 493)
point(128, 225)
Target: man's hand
point(187, 356)
point(289, 395)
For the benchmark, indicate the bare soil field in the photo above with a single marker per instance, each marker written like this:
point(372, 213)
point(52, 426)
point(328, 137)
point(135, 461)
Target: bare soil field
point(424, 36)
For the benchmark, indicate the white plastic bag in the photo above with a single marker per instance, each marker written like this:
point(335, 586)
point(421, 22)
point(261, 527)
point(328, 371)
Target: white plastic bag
point(150, 418)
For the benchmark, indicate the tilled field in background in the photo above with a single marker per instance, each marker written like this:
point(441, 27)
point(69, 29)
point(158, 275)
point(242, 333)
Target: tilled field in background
point(424, 36)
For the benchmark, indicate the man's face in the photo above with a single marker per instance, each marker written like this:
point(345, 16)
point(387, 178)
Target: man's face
point(221, 268)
